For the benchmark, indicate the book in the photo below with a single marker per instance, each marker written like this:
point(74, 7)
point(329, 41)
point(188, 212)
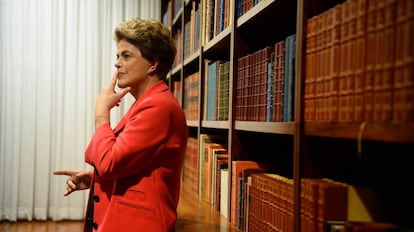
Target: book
point(224, 191)
point(205, 139)
point(236, 170)
point(190, 166)
point(191, 94)
point(218, 153)
point(248, 185)
point(279, 80)
point(244, 195)
point(223, 91)
point(289, 78)
point(265, 69)
point(212, 149)
point(211, 90)
point(270, 88)
point(221, 164)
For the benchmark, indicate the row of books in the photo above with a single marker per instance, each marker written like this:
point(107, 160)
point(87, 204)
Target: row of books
point(177, 91)
point(271, 203)
point(190, 165)
point(191, 95)
point(178, 36)
point(202, 167)
point(360, 62)
point(216, 95)
point(322, 200)
point(192, 34)
point(172, 9)
point(254, 199)
point(216, 17)
point(217, 90)
point(265, 83)
point(264, 88)
point(244, 6)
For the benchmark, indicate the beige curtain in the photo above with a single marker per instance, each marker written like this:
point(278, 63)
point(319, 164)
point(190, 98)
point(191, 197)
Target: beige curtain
point(55, 55)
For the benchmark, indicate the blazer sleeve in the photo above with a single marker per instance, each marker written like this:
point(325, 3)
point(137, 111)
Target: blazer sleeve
point(136, 145)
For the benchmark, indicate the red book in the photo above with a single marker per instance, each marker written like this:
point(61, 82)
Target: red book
point(360, 60)
point(309, 95)
point(278, 81)
point(213, 149)
point(371, 53)
point(332, 201)
point(335, 64)
point(403, 85)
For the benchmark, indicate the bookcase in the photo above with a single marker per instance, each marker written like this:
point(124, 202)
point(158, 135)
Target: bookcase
point(320, 93)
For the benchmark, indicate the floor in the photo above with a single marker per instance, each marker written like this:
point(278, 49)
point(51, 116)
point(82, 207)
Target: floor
point(194, 215)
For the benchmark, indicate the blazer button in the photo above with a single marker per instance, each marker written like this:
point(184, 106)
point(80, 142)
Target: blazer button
point(96, 198)
point(95, 226)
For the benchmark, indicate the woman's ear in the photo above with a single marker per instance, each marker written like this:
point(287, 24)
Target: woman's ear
point(153, 66)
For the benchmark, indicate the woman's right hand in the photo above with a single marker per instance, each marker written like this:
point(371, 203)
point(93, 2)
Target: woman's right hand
point(78, 179)
point(106, 100)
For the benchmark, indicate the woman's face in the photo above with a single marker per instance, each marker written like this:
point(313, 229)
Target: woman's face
point(132, 68)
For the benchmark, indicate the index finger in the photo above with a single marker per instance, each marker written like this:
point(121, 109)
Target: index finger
point(65, 172)
point(113, 80)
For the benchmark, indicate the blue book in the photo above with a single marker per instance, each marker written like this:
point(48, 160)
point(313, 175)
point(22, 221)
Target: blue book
point(221, 22)
point(289, 78)
point(270, 88)
point(211, 98)
point(239, 203)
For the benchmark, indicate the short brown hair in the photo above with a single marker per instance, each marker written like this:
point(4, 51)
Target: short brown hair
point(152, 38)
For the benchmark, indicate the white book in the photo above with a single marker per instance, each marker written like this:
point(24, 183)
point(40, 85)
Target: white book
point(224, 192)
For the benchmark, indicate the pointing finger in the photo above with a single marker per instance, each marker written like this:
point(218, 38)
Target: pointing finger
point(64, 172)
point(113, 80)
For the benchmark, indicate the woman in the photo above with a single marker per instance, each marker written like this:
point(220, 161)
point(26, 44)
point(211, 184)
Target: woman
point(135, 182)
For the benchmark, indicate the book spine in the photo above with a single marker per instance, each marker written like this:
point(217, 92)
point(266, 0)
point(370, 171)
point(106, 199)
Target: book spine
point(335, 64)
point(309, 92)
point(344, 64)
point(360, 49)
point(320, 45)
point(280, 48)
point(371, 52)
point(326, 68)
point(389, 59)
point(270, 88)
point(404, 63)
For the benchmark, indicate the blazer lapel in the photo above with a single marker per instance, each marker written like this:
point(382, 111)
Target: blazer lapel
point(160, 86)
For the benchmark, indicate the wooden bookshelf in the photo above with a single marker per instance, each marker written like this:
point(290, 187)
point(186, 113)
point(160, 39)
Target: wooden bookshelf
point(346, 115)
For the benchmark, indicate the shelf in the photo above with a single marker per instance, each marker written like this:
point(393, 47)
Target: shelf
point(219, 45)
point(193, 58)
point(287, 128)
point(192, 123)
point(362, 131)
point(177, 18)
point(255, 11)
point(215, 124)
point(176, 70)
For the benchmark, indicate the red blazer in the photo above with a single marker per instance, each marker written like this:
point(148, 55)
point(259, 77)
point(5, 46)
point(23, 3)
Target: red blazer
point(137, 165)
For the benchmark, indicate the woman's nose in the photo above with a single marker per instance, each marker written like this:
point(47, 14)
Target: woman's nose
point(117, 65)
